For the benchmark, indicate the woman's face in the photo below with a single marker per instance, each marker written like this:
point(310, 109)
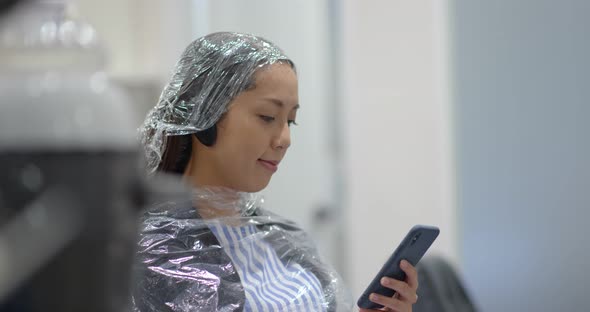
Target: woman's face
point(252, 137)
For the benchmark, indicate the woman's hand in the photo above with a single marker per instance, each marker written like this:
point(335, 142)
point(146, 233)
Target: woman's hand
point(405, 292)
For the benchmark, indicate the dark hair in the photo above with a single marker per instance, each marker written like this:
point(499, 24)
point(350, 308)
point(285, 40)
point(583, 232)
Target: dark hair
point(177, 154)
point(179, 148)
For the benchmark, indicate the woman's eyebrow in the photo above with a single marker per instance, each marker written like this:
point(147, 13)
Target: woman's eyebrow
point(280, 103)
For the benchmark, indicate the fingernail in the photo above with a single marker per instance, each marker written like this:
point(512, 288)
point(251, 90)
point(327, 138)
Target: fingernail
point(384, 281)
point(373, 297)
point(404, 264)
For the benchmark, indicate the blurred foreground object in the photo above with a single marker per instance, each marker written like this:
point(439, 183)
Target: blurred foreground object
point(6, 5)
point(70, 183)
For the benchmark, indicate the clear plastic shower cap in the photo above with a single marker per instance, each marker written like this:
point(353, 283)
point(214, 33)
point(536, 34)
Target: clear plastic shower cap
point(211, 72)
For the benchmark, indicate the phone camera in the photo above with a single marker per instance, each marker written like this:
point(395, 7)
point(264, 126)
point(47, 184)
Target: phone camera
point(415, 238)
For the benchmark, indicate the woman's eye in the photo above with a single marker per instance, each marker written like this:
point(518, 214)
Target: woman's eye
point(266, 118)
point(292, 123)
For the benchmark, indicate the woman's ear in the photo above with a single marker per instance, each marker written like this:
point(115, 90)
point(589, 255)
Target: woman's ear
point(207, 137)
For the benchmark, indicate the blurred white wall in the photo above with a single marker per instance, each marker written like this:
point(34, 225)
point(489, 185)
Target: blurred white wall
point(522, 86)
point(397, 129)
point(143, 40)
point(143, 37)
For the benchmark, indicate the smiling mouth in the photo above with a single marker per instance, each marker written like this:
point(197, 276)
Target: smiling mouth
point(269, 164)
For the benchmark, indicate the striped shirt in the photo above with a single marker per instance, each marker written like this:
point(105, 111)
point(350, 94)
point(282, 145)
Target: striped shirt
point(269, 284)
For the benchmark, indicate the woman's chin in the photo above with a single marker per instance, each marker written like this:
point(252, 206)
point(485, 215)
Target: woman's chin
point(255, 186)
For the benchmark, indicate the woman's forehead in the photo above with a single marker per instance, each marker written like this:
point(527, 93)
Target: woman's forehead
point(274, 71)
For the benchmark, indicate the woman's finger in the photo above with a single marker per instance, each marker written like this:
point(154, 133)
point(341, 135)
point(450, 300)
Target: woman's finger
point(411, 274)
point(402, 289)
point(390, 303)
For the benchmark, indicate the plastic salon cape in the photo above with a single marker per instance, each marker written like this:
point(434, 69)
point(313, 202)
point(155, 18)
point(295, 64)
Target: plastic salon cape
point(248, 260)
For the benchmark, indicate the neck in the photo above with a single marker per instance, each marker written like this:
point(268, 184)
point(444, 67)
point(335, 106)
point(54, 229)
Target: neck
point(214, 198)
point(214, 201)
point(201, 172)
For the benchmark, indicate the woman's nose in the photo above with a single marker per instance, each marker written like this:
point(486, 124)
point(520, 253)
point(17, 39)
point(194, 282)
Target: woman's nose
point(283, 140)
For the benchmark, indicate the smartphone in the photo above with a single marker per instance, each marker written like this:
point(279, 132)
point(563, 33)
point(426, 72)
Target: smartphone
point(412, 248)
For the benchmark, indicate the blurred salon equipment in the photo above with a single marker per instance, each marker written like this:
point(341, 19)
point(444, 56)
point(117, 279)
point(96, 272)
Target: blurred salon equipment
point(6, 5)
point(70, 183)
point(441, 289)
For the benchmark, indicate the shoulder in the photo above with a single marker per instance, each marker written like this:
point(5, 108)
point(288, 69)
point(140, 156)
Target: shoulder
point(170, 226)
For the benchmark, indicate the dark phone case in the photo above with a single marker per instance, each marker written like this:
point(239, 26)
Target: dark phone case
point(412, 248)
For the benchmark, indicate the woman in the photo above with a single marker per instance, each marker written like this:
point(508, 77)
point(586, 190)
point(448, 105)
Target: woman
point(223, 123)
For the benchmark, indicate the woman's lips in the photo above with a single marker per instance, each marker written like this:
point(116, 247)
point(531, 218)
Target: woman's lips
point(269, 164)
